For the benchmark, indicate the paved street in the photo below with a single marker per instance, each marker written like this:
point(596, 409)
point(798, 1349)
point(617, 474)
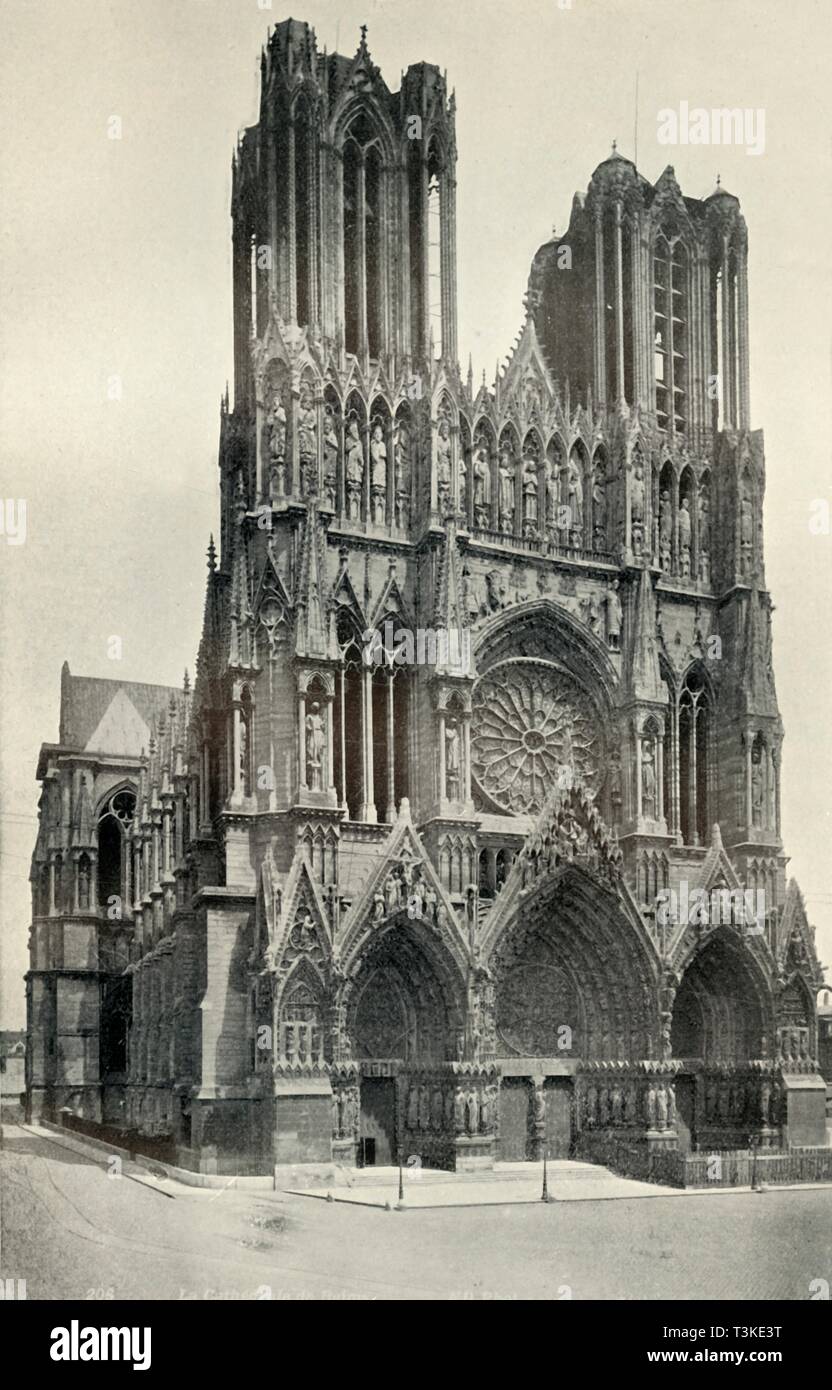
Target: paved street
point(73, 1232)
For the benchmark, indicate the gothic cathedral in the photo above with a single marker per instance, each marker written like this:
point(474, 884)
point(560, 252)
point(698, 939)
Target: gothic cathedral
point(466, 842)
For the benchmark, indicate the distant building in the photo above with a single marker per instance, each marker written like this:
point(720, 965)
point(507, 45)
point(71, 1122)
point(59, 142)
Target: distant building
point(353, 897)
point(825, 1034)
point(12, 1066)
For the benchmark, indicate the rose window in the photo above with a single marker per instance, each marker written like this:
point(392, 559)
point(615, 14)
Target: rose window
point(531, 728)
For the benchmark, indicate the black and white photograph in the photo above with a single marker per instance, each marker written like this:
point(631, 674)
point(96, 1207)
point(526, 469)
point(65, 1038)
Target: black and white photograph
point(415, 594)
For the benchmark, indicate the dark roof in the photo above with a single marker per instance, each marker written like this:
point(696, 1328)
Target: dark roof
point(85, 700)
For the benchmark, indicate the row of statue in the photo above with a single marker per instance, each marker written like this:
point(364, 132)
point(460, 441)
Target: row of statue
point(565, 839)
point(736, 1100)
point(463, 1112)
point(357, 474)
point(407, 889)
point(663, 528)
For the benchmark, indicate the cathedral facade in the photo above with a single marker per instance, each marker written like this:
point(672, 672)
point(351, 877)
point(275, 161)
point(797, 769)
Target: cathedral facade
point(466, 842)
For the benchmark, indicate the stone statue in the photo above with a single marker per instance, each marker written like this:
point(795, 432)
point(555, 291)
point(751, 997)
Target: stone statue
point(391, 894)
point(530, 492)
point(401, 465)
point(650, 1107)
point(613, 609)
point(315, 744)
point(704, 536)
point(746, 531)
point(436, 1110)
point(538, 1106)
point(616, 1103)
point(378, 473)
point(452, 760)
point(277, 429)
point(757, 788)
point(277, 447)
point(424, 1107)
point(684, 537)
point(591, 1106)
point(355, 470)
point(665, 530)
point(307, 443)
point(574, 500)
point(84, 885)
point(637, 496)
point(648, 779)
point(459, 1112)
point(443, 464)
point(413, 1108)
point(599, 511)
point(482, 480)
point(472, 1113)
point(331, 448)
point(506, 491)
point(661, 1107)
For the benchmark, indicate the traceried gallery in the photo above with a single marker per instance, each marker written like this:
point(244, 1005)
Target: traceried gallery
point(323, 908)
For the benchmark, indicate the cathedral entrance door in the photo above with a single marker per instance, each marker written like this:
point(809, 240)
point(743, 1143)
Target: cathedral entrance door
point(685, 1112)
point(558, 1094)
point(377, 1131)
point(515, 1096)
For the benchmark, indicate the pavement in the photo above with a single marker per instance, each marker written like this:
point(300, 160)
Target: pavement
point(75, 1227)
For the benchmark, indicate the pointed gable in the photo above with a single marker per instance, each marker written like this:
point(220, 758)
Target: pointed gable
point(402, 884)
point(121, 729)
point(296, 918)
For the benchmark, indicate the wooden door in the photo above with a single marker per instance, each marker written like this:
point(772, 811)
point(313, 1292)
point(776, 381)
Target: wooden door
point(515, 1098)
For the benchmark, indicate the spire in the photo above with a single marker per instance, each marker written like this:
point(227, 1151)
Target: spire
point(450, 616)
point(642, 659)
point(212, 555)
point(311, 634)
point(82, 824)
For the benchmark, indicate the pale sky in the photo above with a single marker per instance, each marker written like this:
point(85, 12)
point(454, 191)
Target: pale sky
point(116, 261)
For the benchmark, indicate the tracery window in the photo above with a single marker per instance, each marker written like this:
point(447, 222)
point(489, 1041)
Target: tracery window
point(114, 822)
point(670, 331)
point(694, 759)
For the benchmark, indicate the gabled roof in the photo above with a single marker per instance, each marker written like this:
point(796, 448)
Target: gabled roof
point(107, 716)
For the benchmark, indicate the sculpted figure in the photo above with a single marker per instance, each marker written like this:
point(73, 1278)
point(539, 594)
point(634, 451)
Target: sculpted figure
point(665, 529)
point(307, 428)
point(616, 1102)
point(459, 1111)
point(452, 760)
point(506, 491)
point(613, 608)
point(651, 1106)
point(648, 779)
point(530, 492)
point(277, 430)
point(315, 744)
point(591, 1106)
point(443, 463)
point(599, 511)
point(574, 495)
point(401, 465)
point(684, 536)
point(331, 447)
point(482, 477)
point(378, 472)
point(355, 470)
point(424, 1107)
point(436, 1110)
point(637, 495)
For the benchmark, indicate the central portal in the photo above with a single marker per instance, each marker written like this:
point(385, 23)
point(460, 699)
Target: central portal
point(377, 1129)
